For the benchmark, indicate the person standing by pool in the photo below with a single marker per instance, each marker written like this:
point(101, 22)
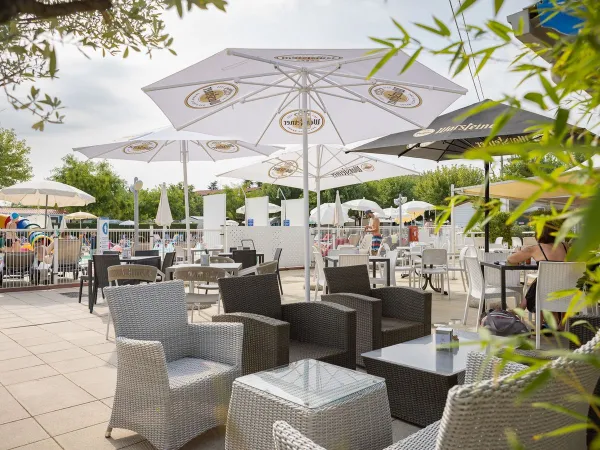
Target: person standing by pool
point(374, 229)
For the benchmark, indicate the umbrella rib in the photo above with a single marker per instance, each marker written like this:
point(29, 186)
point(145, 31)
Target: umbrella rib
point(338, 67)
point(356, 94)
point(165, 143)
point(205, 151)
point(332, 121)
point(350, 60)
point(345, 85)
point(298, 85)
point(267, 96)
point(263, 60)
point(251, 148)
point(281, 108)
point(251, 83)
point(222, 107)
point(215, 80)
point(277, 111)
point(400, 82)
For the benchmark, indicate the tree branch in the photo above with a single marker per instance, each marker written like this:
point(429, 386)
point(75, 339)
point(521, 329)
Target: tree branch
point(10, 9)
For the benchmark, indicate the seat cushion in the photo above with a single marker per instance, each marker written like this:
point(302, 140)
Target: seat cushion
point(306, 350)
point(186, 371)
point(395, 331)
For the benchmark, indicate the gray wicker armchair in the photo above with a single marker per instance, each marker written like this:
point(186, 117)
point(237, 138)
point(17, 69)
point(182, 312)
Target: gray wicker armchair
point(174, 378)
point(276, 334)
point(385, 316)
point(478, 413)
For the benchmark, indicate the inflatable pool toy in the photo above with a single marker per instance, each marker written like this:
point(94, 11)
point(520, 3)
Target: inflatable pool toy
point(4, 220)
point(20, 222)
point(36, 236)
point(26, 247)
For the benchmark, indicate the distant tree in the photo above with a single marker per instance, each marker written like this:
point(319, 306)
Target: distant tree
point(386, 191)
point(32, 30)
point(213, 186)
point(99, 179)
point(14, 159)
point(518, 167)
point(434, 186)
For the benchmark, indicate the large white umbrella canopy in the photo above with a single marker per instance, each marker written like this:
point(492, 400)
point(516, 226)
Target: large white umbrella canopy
point(362, 204)
point(168, 144)
point(273, 208)
point(392, 213)
point(164, 218)
point(286, 95)
point(80, 215)
point(127, 223)
point(164, 144)
point(328, 215)
point(45, 193)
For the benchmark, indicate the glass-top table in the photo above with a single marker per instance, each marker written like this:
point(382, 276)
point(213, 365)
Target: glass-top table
point(310, 383)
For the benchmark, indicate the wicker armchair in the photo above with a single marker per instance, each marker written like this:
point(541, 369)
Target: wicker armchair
point(384, 316)
point(276, 334)
point(478, 413)
point(174, 379)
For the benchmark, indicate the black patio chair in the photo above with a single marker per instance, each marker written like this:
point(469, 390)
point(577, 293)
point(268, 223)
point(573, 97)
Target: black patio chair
point(147, 253)
point(246, 257)
point(277, 257)
point(168, 261)
point(101, 265)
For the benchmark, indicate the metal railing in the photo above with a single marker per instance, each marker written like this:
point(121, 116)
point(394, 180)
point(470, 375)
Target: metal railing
point(42, 257)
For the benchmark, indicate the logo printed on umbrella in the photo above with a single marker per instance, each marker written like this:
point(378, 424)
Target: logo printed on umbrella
point(140, 147)
point(291, 122)
point(425, 132)
point(310, 58)
point(346, 171)
point(223, 146)
point(211, 95)
point(283, 169)
point(395, 95)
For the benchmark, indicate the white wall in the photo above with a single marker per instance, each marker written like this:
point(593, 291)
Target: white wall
point(463, 213)
point(294, 211)
point(257, 209)
point(214, 218)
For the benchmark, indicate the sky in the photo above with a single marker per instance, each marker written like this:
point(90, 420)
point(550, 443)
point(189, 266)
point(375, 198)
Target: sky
point(104, 101)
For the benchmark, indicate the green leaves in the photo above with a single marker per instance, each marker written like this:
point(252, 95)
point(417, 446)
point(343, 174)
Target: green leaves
point(411, 60)
point(441, 30)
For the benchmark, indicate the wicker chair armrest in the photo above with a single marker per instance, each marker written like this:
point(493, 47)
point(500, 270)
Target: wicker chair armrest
point(584, 332)
point(481, 366)
point(266, 340)
point(405, 303)
point(220, 342)
point(322, 323)
point(143, 368)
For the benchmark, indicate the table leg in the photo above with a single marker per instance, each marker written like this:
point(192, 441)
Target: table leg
point(90, 283)
point(374, 272)
point(503, 288)
point(326, 262)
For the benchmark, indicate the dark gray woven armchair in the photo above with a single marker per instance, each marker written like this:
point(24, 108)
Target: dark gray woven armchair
point(174, 379)
point(276, 334)
point(384, 316)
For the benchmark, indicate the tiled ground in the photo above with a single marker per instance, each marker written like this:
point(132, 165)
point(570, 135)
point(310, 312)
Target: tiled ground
point(58, 372)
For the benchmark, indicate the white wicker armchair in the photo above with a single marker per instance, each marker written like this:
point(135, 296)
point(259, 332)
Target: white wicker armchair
point(478, 413)
point(174, 378)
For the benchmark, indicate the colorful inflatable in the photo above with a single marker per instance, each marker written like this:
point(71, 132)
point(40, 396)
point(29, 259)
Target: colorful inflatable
point(35, 236)
point(15, 222)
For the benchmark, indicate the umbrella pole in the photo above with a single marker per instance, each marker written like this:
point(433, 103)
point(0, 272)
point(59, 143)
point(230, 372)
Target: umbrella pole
point(46, 214)
point(486, 168)
point(186, 200)
point(304, 105)
point(318, 187)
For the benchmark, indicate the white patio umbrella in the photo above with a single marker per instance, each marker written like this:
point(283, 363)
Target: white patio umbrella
point(283, 96)
point(362, 204)
point(416, 208)
point(127, 223)
point(167, 144)
point(328, 215)
point(164, 218)
point(392, 213)
point(273, 208)
point(45, 192)
point(329, 167)
point(80, 215)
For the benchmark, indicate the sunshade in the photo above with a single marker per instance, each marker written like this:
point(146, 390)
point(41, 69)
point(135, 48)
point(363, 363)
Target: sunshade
point(339, 219)
point(392, 213)
point(416, 208)
point(127, 223)
point(363, 204)
point(167, 144)
point(289, 96)
point(164, 218)
point(273, 208)
point(44, 193)
point(80, 215)
point(449, 136)
point(328, 215)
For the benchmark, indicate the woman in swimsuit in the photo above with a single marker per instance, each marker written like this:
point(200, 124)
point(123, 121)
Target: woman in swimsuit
point(543, 251)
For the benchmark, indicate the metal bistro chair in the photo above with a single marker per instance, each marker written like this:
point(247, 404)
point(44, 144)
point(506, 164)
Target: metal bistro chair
point(132, 273)
point(319, 274)
point(277, 257)
point(246, 257)
point(147, 253)
point(168, 261)
point(437, 260)
point(202, 275)
point(100, 281)
point(268, 267)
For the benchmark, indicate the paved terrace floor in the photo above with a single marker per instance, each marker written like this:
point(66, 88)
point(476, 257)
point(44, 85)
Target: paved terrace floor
point(58, 373)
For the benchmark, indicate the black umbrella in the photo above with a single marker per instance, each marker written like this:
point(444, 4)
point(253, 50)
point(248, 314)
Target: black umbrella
point(449, 136)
